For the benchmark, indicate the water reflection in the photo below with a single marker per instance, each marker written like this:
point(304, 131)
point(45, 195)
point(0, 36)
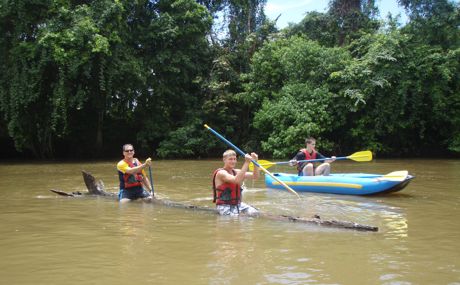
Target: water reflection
point(290, 277)
point(233, 245)
point(396, 225)
point(382, 212)
point(252, 251)
point(132, 225)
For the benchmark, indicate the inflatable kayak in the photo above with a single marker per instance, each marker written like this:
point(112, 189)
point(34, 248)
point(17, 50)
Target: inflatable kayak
point(343, 183)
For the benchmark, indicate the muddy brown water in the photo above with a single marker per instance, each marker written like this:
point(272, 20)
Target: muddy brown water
point(47, 239)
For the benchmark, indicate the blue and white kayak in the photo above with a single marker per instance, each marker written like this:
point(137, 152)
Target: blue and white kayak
point(343, 183)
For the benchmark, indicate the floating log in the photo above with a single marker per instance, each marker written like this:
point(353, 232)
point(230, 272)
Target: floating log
point(96, 188)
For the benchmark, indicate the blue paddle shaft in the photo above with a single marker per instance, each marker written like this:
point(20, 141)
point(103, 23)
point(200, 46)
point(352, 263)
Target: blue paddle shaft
point(230, 144)
point(151, 180)
point(312, 160)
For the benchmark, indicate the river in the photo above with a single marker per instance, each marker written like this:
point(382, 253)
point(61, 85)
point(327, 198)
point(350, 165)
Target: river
point(49, 239)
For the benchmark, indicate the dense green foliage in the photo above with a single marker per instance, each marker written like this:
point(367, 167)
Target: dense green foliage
point(81, 78)
point(76, 73)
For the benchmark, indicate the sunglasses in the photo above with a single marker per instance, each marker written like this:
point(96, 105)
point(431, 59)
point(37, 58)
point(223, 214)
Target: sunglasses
point(129, 150)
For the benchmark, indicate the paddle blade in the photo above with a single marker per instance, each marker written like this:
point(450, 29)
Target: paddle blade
point(264, 163)
point(395, 176)
point(361, 156)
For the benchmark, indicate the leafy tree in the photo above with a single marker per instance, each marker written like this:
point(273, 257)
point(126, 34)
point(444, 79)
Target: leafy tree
point(71, 66)
point(344, 22)
point(353, 17)
point(434, 22)
point(300, 111)
point(178, 60)
point(80, 78)
point(320, 27)
point(394, 97)
point(406, 89)
point(291, 82)
point(246, 29)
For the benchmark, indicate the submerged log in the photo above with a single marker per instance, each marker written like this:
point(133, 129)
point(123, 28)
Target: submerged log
point(316, 220)
point(96, 188)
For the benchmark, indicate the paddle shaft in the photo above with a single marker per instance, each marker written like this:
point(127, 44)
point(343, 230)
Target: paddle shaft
point(151, 181)
point(253, 161)
point(312, 160)
point(229, 143)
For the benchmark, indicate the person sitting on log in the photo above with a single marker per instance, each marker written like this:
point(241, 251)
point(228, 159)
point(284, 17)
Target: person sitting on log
point(132, 176)
point(227, 182)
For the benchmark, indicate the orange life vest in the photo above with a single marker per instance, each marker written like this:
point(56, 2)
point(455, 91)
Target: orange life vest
point(227, 193)
point(133, 180)
point(308, 156)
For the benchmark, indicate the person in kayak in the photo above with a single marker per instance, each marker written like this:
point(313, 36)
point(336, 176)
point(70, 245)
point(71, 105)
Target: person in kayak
point(309, 168)
point(227, 185)
point(132, 176)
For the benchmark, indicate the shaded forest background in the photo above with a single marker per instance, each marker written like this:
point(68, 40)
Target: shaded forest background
point(78, 79)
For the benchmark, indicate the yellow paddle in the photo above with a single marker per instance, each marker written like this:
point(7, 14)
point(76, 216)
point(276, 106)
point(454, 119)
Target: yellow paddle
point(359, 156)
point(400, 175)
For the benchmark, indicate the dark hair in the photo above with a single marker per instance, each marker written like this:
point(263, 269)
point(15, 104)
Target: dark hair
point(309, 140)
point(125, 145)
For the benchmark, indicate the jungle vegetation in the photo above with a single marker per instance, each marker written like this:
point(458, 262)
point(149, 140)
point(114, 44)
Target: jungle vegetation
point(79, 78)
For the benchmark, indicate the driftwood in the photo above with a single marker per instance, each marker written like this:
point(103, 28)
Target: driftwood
point(96, 188)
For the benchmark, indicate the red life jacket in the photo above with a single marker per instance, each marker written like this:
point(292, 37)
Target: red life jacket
point(308, 156)
point(227, 193)
point(133, 180)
